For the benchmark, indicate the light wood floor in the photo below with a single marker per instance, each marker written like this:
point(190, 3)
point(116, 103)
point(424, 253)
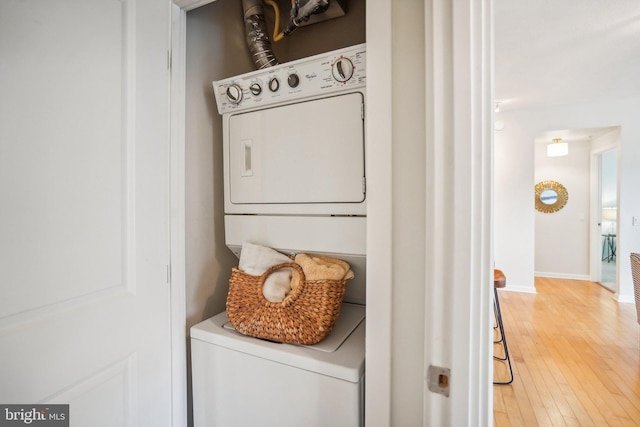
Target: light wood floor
point(575, 358)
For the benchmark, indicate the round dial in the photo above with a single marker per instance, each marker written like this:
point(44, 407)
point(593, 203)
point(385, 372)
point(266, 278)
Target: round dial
point(342, 69)
point(255, 88)
point(234, 93)
point(293, 80)
point(274, 84)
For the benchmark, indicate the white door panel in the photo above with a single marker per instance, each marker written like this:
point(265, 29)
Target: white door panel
point(84, 312)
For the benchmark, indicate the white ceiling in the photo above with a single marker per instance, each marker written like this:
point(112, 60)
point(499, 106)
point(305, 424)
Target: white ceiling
point(569, 135)
point(555, 52)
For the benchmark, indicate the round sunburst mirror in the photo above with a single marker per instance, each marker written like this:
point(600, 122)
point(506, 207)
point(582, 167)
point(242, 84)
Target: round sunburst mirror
point(551, 196)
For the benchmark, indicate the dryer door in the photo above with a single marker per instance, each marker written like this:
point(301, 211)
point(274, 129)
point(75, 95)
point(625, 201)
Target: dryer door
point(305, 153)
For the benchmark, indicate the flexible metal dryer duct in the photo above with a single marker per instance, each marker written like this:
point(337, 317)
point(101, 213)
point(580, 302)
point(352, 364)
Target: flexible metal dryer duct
point(256, 28)
point(301, 11)
point(256, 34)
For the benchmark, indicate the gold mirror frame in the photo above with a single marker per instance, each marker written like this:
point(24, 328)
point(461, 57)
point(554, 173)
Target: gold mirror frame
point(562, 193)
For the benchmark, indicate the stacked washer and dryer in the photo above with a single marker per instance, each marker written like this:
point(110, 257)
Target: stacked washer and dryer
point(294, 180)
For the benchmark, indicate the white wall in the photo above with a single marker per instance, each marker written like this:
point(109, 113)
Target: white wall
point(210, 55)
point(562, 237)
point(514, 220)
point(514, 178)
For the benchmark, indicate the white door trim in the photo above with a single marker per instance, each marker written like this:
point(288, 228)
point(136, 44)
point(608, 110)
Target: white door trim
point(459, 264)
point(177, 269)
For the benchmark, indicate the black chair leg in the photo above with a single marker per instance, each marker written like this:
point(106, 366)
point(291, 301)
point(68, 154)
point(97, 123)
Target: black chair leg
point(507, 358)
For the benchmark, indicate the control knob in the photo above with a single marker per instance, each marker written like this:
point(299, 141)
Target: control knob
point(293, 80)
point(234, 93)
point(255, 88)
point(274, 84)
point(342, 69)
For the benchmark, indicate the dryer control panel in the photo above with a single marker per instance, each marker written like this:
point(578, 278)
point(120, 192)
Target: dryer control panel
point(326, 73)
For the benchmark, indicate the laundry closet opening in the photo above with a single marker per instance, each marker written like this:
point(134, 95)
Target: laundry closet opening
point(215, 50)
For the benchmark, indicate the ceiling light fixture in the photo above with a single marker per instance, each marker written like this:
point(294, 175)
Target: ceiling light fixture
point(557, 148)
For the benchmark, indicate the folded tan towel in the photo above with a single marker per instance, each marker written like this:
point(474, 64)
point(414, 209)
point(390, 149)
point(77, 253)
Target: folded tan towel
point(317, 267)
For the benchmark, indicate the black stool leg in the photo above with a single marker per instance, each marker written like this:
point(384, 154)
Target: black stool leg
point(503, 339)
point(495, 325)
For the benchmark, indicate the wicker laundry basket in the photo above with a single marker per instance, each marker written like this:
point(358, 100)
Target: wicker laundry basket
point(306, 315)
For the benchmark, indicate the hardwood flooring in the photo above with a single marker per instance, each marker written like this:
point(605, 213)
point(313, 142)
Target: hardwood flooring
point(575, 356)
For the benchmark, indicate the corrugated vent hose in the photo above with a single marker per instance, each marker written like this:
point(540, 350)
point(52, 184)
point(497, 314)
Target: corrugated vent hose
point(256, 28)
point(256, 34)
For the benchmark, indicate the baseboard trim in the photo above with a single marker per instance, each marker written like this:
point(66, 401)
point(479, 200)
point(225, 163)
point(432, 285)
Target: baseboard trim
point(522, 289)
point(563, 276)
point(627, 299)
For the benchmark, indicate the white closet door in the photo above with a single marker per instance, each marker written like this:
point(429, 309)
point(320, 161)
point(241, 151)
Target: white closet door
point(84, 305)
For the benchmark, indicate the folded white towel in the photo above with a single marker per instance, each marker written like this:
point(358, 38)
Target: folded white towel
point(256, 259)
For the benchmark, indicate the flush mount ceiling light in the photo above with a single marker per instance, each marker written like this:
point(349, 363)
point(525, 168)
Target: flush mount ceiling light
point(609, 213)
point(557, 148)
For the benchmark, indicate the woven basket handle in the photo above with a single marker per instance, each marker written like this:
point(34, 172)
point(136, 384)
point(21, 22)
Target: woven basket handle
point(276, 267)
point(296, 288)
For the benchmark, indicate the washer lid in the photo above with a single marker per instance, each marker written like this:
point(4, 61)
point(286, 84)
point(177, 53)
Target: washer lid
point(340, 355)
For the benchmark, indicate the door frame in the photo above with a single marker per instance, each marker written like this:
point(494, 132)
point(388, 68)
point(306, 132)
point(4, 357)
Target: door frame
point(595, 229)
point(177, 212)
point(461, 342)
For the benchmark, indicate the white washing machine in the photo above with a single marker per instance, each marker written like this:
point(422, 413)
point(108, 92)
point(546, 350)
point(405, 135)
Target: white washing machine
point(244, 381)
point(294, 171)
